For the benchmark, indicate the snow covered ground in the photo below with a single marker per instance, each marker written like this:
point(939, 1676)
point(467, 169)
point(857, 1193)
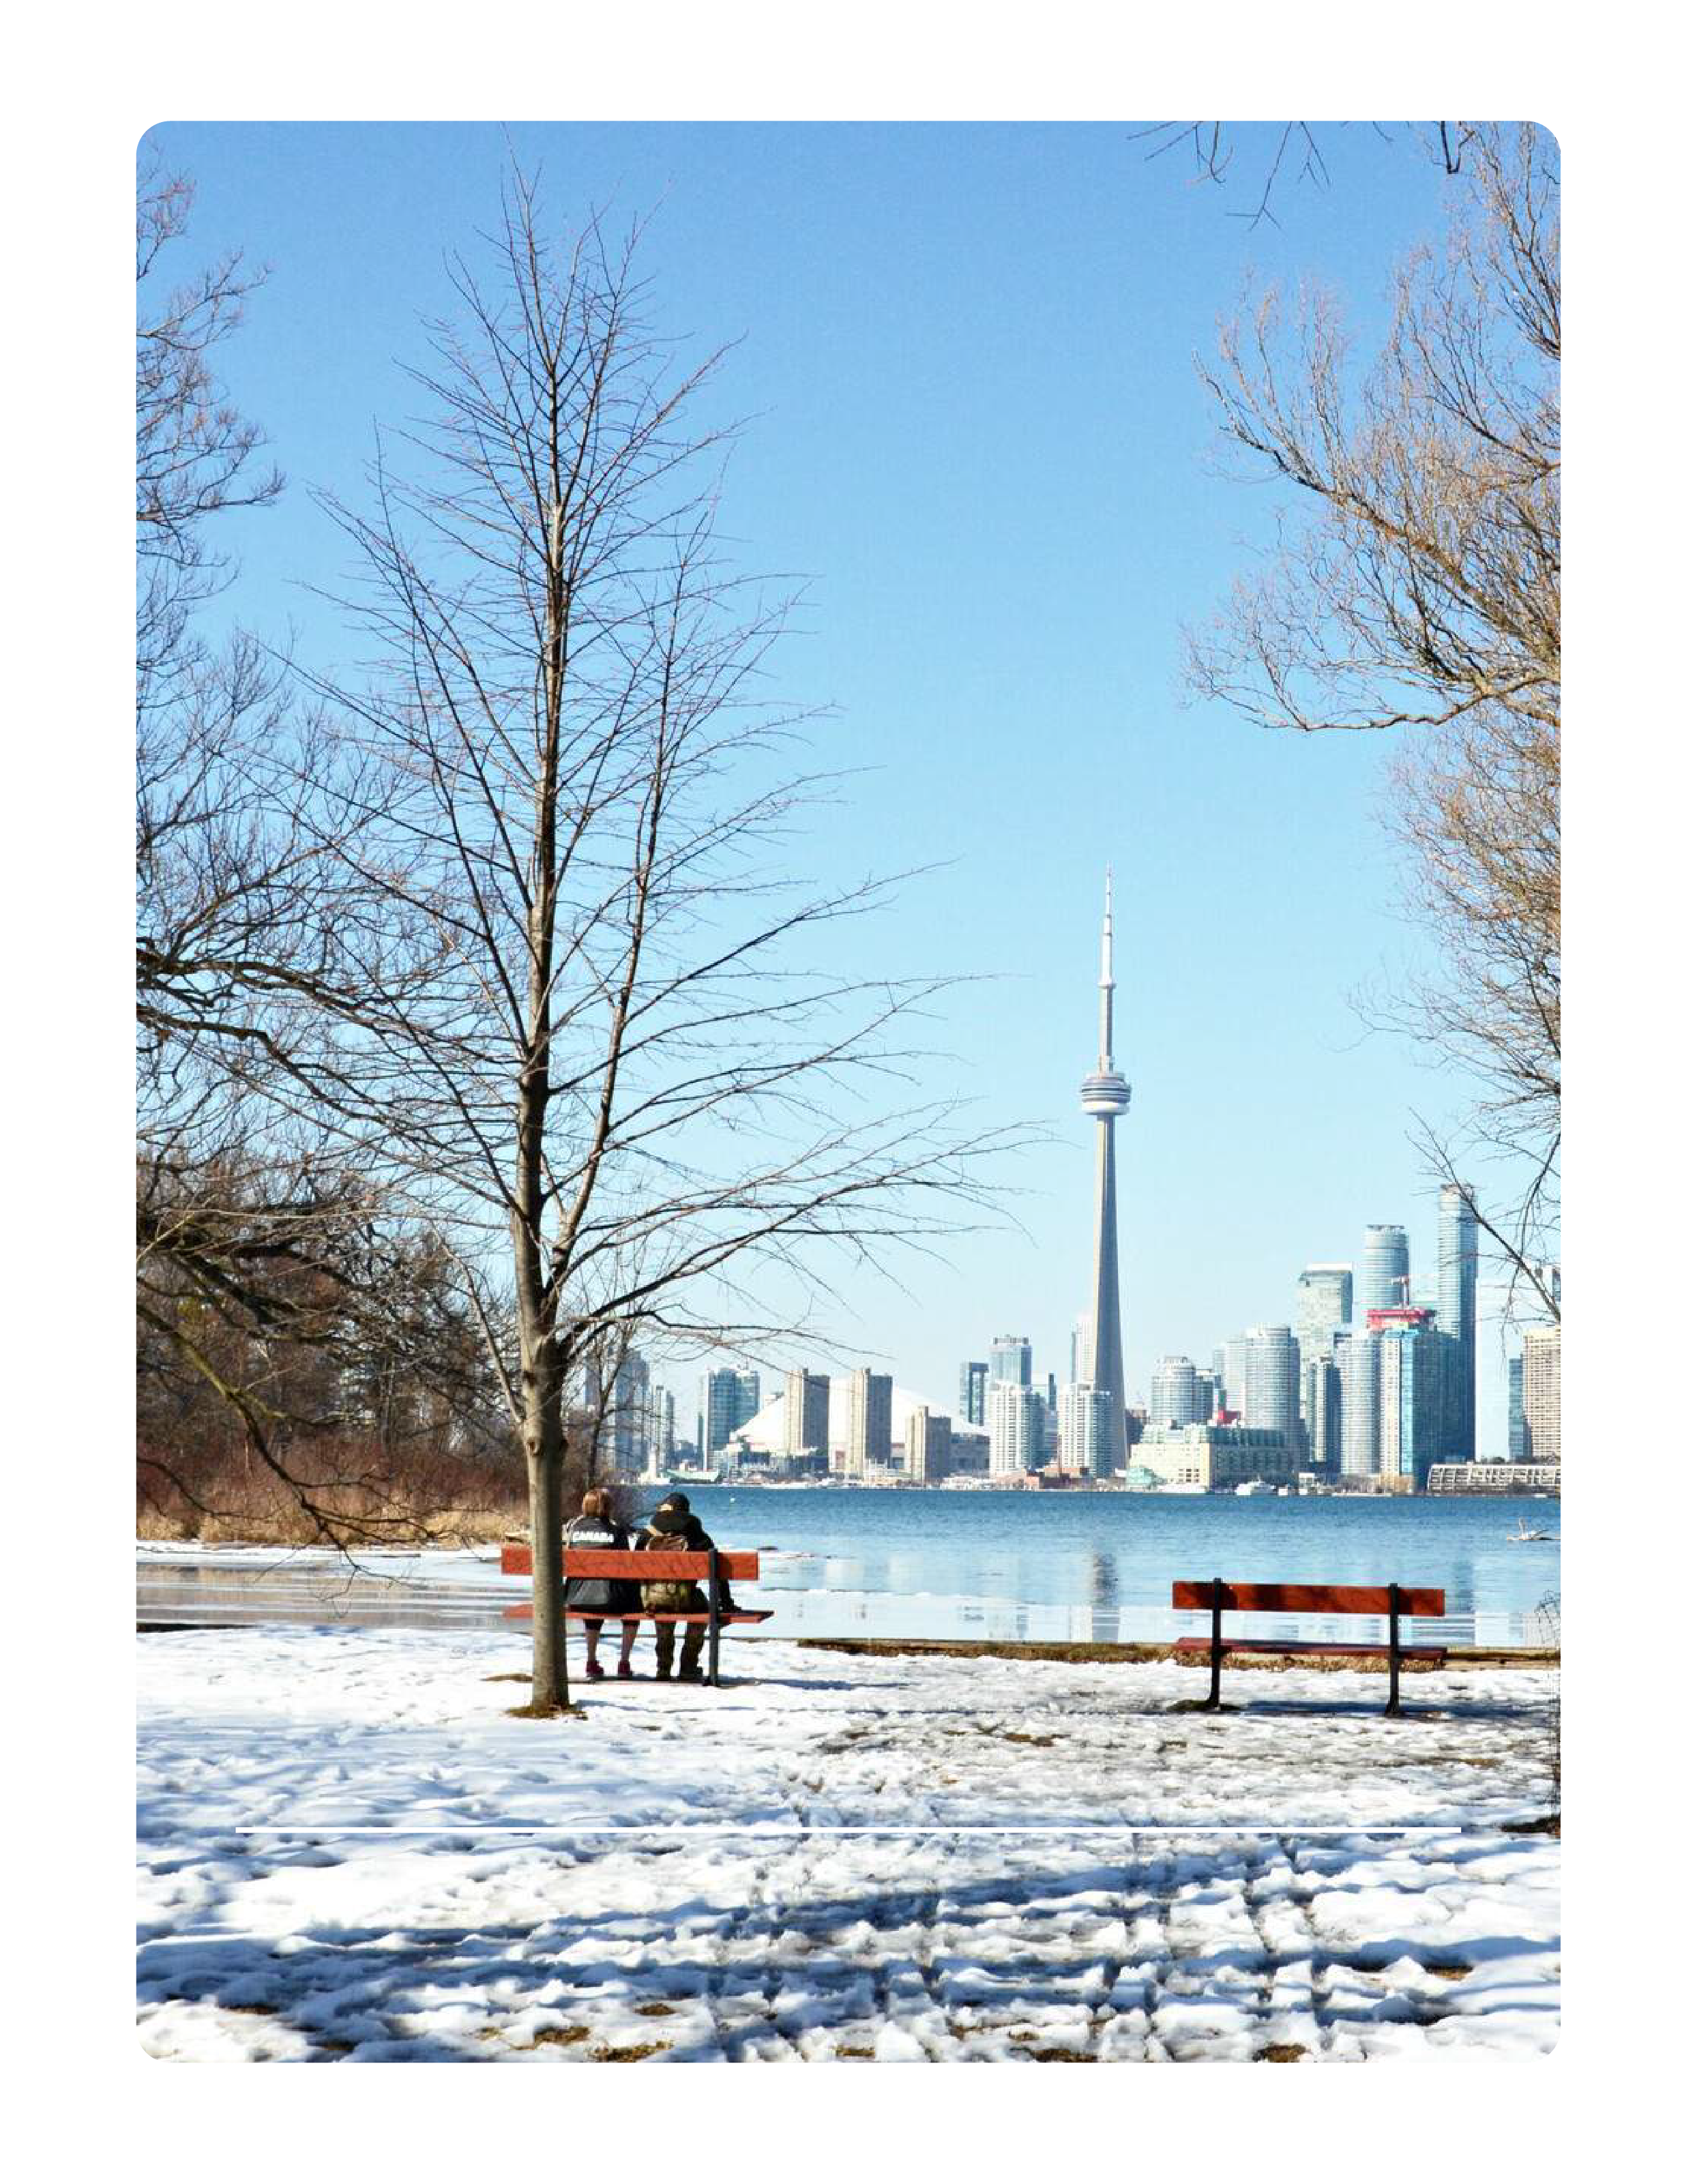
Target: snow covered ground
point(349, 1850)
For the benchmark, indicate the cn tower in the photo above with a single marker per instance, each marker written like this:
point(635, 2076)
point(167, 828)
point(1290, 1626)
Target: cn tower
point(1105, 1095)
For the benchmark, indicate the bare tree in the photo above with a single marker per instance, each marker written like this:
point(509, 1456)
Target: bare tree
point(624, 1071)
point(1416, 588)
point(1296, 157)
point(260, 1232)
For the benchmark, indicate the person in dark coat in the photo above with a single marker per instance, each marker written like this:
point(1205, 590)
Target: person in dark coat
point(595, 1527)
point(673, 1529)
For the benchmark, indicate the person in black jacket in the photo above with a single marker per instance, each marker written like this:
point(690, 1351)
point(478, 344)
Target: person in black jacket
point(595, 1527)
point(673, 1528)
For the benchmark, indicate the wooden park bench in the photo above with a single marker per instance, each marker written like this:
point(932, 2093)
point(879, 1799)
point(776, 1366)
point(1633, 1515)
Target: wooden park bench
point(1392, 1601)
point(707, 1570)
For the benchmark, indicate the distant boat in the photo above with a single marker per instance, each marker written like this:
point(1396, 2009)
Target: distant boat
point(1525, 1533)
point(1255, 1486)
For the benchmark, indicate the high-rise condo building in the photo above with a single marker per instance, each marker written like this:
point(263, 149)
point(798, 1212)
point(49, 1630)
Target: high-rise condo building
point(1272, 1383)
point(1458, 1283)
point(869, 1421)
point(1173, 1397)
point(1325, 1298)
point(629, 1417)
point(1520, 1441)
point(729, 1399)
point(1105, 1095)
point(662, 1433)
point(1384, 1266)
point(1411, 1393)
point(806, 1413)
point(1210, 1394)
point(1233, 1355)
point(1322, 1416)
point(929, 1436)
point(1010, 1360)
point(1087, 1444)
point(1015, 1421)
point(1541, 1353)
point(974, 1379)
point(1358, 1377)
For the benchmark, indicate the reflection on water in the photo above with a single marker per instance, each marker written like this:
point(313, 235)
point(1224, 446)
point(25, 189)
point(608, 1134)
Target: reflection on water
point(1057, 1566)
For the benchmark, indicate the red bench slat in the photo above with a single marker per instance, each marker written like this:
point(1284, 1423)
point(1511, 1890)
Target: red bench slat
point(1308, 1599)
point(627, 1563)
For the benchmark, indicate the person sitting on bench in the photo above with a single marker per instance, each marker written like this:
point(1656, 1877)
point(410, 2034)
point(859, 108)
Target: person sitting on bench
point(595, 1527)
point(673, 1529)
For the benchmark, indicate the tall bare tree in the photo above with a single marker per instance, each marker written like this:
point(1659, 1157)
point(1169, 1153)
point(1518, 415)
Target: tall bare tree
point(625, 1073)
point(1416, 588)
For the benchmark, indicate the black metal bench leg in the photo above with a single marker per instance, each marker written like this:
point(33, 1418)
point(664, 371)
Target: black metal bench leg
point(1216, 1651)
point(713, 1615)
point(1395, 1706)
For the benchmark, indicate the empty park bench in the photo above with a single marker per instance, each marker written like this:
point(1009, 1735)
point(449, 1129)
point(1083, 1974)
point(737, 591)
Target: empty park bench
point(707, 1570)
point(1394, 1602)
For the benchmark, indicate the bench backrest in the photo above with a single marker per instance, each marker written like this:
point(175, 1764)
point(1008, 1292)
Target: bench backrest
point(1308, 1599)
point(627, 1563)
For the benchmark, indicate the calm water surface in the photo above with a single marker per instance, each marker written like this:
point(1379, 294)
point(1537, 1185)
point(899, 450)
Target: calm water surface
point(890, 1564)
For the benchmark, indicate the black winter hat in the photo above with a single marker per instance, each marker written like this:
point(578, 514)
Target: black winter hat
point(678, 1501)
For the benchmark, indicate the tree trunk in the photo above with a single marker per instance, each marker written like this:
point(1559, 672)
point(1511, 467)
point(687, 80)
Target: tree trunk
point(544, 1450)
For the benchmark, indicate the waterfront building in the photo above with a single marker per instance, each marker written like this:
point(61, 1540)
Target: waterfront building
point(1105, 1095)
point(1078, 1349)
point(1541, 1385)
point(975, 1376)
point(1233, 1355)
point(1015, 1419)
point(1458, 1281)
point(1209, 1396)
point(729, 1399)
point(930, 1436)
point(869, 1422)
point(1494, 1479)
point(1010, 1360)
point(630, 1414)
point(1324, 1300)
point(806, 1413)
point(1384, 1266)
point(1412, 1389)
point(1272, 1383)
point(1214, 1455)
point(662, 1451)
point(1520, 1441)
point(1173, 1397)
point(1322, 1416)
point(1357, 1377)
point(1086, 1431)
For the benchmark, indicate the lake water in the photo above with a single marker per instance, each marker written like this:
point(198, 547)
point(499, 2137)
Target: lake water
point(1016, 1565)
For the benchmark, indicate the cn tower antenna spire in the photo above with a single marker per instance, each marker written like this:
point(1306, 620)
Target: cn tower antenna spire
point(1106, 1059)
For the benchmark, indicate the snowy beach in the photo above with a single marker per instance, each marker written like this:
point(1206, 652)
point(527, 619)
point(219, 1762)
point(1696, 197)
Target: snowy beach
point(350, 1851)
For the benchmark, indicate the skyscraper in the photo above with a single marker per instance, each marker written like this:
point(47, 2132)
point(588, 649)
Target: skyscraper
point(975, 1376)
point(1272, 1383)
point(729, 1399)
point(1086, 1422)
point(1412, 1390)
point(1520, 1441)
point(927, 1444)
point(806, 1413)
point(1231, 1355)
point(1105, 1095)
point(869, 1421)
point(1458, 1278)
point(1325, 1296)
point(1173, 1396)
point(1384, 1266)
point(1015, 1418)
point(1010, 1359)
point(1358, 1376)
point(1541, 1382)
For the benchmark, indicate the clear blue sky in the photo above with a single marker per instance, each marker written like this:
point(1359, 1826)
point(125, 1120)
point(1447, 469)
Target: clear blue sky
point(967, 352)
